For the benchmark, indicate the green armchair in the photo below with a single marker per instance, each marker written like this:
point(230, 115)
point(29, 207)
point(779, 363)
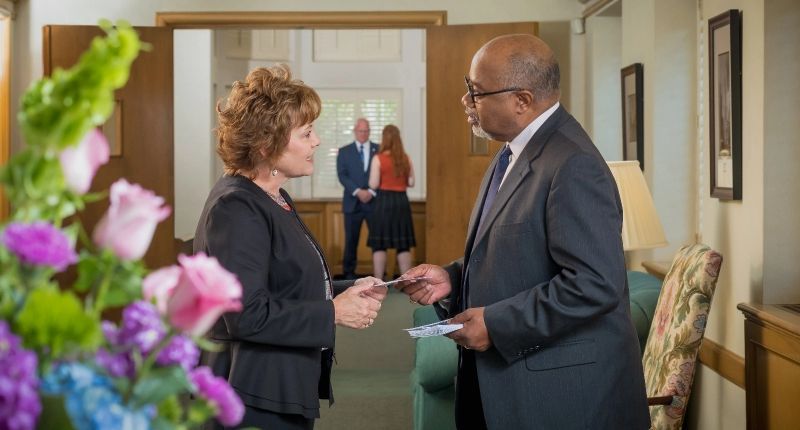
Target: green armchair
point(433, 377)
point(435, 358)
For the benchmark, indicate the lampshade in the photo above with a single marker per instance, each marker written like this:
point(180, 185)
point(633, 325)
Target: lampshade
point(641, 228)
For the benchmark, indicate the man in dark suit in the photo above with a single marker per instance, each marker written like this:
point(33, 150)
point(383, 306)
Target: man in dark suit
point(352, 166)
point(547, 341)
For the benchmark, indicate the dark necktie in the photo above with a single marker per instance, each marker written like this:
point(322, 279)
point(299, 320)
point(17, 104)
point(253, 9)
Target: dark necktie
point(497, 177)
point(361, 153)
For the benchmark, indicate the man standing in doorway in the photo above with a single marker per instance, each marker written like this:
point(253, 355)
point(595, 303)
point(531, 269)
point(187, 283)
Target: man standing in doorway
point(352, 166)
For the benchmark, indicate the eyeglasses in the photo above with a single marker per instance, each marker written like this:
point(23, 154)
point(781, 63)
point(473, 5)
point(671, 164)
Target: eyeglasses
point(473, 94)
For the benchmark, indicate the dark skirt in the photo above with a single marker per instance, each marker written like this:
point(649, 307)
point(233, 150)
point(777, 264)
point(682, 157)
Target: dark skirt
point(390, 222)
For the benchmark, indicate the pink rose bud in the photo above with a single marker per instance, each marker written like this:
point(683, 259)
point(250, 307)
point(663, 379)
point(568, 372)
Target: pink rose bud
point(80, 162)
point(204, 292)
point(160, 285)
point(128, 226)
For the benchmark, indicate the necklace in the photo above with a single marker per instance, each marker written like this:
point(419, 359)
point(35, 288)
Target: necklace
point(278, 199)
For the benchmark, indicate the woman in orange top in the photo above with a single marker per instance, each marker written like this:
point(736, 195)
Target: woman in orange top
point(391, 227)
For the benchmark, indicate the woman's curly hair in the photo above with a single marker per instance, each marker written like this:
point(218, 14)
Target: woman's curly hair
point(261, 112)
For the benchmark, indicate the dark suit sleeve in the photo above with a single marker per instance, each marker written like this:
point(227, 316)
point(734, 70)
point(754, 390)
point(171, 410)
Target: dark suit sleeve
point(239, 237)
point(584, 222)
point(344, 173)
point(341, 285)
point(454, 272)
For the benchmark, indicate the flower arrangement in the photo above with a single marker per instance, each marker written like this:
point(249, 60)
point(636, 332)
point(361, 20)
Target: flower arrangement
point(61, 364)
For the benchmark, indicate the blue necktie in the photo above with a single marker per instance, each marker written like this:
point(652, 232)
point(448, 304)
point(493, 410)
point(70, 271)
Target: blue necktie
point(361, 150)
point(497, 177)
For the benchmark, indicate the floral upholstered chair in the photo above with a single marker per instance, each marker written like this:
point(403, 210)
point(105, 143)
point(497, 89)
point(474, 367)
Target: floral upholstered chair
point(676, 333)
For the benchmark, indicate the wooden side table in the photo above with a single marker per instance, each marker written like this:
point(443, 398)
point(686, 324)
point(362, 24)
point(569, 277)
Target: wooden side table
point(772, 365)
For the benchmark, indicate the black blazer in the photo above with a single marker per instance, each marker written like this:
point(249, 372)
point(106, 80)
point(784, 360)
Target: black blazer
point(272, 352)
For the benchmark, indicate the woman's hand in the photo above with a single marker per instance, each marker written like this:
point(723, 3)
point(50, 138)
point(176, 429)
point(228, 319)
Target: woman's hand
point(355, 308)
point(376, 292)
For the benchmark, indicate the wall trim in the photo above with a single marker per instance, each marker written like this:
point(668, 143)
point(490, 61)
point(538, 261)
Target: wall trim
point(723, 361)
point(354, 19)
point(596, 7)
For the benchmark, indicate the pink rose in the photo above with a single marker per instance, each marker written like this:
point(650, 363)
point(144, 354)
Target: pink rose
point(205, 291)
point(80, 162)
point(128, 226)
point(160, 285)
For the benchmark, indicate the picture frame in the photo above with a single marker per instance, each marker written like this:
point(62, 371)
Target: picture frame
point(632, 80)
point(725, 105)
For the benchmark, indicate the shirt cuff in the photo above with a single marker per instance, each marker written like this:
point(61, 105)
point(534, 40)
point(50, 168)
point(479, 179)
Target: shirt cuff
point(371, 191)
point(355, 192)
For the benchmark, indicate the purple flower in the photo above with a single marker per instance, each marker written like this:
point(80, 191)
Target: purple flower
point(110, 332)
point(219, 394)
point(39, 244)
point(19, 402)
point(141, 327)
point(181, 351)
point(118, 364)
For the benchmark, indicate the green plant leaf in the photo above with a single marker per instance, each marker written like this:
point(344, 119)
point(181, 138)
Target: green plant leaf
point(159, 384)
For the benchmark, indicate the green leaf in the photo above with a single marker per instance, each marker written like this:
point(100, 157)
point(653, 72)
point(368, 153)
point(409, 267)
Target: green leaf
point(90, 269)
point(159, 423)
point(41, 324)
point(126, 284)
point(201, 411)
point(207, 345)
point(170, 409)
point(159, 384)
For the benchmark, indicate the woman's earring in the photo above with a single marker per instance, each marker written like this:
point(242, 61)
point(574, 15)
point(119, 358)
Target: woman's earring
point(274, 172)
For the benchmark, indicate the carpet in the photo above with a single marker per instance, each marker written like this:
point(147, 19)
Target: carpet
point(371, 379)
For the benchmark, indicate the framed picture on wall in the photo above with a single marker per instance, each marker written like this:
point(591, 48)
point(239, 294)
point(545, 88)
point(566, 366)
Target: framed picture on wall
point(633, 113)
point(725, 104)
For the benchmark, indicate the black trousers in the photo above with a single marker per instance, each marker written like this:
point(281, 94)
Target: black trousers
point(469, 410)
point(352, 233)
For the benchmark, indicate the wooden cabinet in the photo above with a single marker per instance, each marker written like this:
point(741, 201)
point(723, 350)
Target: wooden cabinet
point(772, 357)
point(326, 221)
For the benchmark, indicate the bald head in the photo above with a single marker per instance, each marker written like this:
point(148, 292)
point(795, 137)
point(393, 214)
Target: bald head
point(523, 61)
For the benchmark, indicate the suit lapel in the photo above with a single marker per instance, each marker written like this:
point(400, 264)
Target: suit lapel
point(521, 169)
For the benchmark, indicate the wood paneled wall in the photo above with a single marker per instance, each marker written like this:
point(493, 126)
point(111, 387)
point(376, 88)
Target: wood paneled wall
point(326, 221)
point(454, 169)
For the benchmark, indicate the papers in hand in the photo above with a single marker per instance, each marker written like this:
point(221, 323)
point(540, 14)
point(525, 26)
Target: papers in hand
point(433, 329)
point(398, 280)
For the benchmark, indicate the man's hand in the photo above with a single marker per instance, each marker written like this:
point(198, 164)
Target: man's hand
point(364, 196)
point(474, 334)
point(436, 285)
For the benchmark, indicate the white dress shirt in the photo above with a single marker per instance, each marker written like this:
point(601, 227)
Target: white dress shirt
point(518, 143)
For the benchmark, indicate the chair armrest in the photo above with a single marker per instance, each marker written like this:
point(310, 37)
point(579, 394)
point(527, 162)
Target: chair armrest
point(660, 400)
point(435, 362)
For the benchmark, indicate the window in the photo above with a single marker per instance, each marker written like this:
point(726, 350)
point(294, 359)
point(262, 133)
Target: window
point(340, 108)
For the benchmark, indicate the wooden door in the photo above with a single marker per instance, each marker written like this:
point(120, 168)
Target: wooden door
point(142, 151)
point(454, 170)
